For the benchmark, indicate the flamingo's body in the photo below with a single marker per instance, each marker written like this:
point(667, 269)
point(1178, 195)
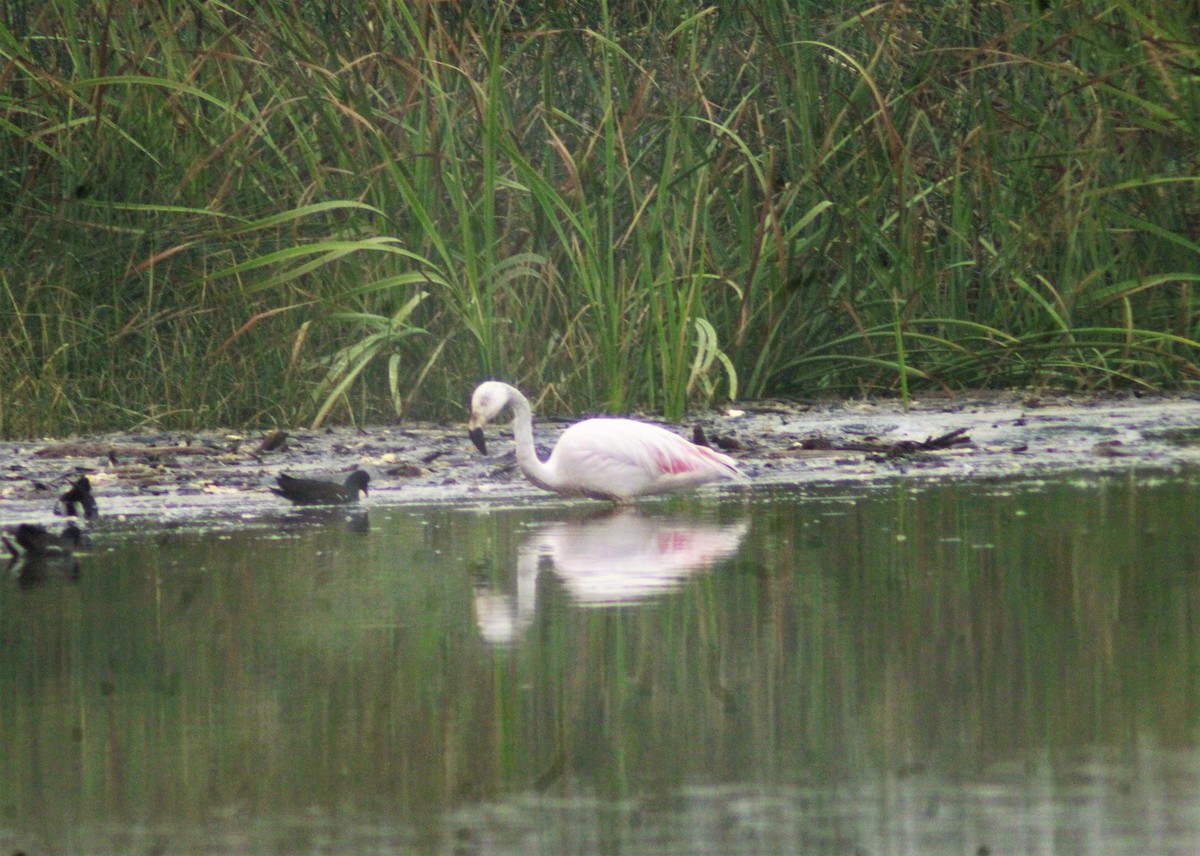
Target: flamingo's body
point(614, 459)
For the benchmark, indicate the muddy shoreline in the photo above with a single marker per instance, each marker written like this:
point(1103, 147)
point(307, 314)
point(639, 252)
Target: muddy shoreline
point(172, 476)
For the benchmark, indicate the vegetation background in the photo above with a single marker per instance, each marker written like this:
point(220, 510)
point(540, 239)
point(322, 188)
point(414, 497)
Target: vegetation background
point(253, 214)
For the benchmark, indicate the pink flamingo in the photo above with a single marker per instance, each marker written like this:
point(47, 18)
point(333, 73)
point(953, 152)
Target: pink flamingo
point(614, 459)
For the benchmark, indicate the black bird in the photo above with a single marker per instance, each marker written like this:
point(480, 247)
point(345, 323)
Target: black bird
point(320, 491)
point(80, 496)
point(37, 541)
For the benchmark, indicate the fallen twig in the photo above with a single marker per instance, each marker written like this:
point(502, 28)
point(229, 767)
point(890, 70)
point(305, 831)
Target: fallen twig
point(949, 440)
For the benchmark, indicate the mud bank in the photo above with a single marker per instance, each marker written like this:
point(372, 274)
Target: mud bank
point(219, 473)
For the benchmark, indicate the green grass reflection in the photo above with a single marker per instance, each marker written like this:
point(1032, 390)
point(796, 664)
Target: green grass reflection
point(311, 671)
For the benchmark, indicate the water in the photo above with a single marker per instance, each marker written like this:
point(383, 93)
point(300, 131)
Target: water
point(1010, 667)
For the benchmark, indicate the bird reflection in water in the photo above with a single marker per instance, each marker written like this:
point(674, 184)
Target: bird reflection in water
point(620, 558)
point(356, 520)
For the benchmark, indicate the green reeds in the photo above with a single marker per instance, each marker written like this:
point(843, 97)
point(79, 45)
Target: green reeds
point(285, 214)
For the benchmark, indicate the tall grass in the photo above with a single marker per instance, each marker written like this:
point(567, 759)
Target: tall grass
point(348, 211)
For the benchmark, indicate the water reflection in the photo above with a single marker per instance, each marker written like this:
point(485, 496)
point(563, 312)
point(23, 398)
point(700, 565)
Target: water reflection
point(619, 558)
point(357, 520)
point(1043, 805)
point(933, 669)
point(30, 570)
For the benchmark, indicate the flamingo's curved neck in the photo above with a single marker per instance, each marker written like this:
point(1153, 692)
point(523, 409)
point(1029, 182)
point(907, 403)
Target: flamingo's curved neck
point(527, 459)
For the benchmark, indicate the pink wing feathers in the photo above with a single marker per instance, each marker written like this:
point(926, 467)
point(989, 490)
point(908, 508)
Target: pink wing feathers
point(622, 457)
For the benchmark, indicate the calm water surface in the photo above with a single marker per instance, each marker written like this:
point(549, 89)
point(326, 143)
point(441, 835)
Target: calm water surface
point(961, 669)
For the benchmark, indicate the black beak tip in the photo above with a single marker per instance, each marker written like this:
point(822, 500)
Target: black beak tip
point(476, 435)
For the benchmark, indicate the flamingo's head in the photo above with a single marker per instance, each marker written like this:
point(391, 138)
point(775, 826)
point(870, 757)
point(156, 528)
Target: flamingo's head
point(487, 401)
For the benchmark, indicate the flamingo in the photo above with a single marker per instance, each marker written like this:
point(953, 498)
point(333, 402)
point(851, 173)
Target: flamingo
point(613, 459)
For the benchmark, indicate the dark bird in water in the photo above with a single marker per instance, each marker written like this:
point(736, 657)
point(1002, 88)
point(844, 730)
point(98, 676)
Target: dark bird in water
point(80, 497)
point(320, 491)
point(37, 541)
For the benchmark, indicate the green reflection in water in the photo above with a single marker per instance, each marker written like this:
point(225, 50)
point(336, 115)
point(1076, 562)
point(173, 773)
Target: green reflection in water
point(896, 668)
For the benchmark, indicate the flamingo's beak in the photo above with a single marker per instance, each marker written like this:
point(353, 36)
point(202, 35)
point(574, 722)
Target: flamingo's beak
point(476, 435)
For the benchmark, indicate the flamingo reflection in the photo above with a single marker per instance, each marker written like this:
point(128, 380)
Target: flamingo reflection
point(618, 559)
